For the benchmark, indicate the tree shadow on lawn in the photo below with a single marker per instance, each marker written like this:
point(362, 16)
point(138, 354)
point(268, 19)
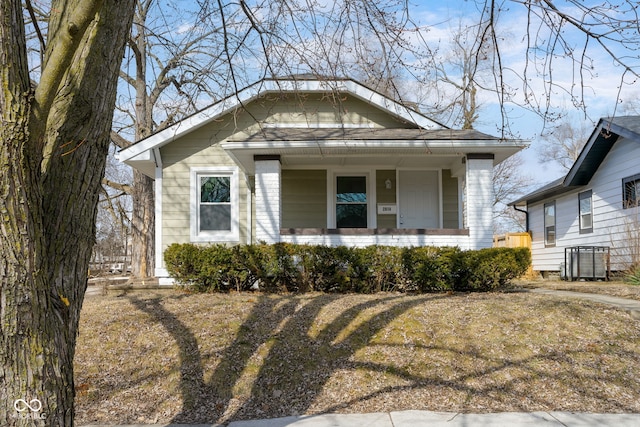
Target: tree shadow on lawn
point(281, 332)
point(290, 360)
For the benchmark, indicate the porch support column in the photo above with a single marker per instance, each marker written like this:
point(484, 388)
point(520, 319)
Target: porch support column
point(268, 198)
point(479, 199)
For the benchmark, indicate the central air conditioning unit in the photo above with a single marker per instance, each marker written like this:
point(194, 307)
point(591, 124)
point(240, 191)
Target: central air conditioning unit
point(586, 263)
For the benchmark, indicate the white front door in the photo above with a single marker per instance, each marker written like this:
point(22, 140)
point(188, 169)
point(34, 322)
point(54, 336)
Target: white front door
point(419, 199)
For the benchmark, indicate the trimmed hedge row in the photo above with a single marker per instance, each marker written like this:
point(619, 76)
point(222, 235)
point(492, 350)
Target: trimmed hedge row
point(284, 267)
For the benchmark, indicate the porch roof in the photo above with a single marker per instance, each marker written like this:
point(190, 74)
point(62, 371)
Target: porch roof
point(358, 147)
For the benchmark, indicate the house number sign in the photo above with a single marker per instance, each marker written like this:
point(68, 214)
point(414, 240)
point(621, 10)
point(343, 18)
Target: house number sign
point(387, 209)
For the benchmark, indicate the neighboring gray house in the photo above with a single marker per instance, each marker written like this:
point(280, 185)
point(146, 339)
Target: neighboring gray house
point(321, 162)
point(594, 205)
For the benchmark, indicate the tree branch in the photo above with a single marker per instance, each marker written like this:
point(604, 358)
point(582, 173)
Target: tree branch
point(63, 43)
point(122, 187)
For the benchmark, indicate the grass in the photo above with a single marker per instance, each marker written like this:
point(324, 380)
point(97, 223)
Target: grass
point(170, 356)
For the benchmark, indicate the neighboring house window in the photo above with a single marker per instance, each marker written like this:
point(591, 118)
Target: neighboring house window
point(214, 208)
point(351, 202)
point(631, 191)
point(585, 202)
point(550, 224)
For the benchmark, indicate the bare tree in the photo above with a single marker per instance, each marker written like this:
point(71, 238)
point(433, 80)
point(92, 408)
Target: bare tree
point(564, 142)
point(509, 182)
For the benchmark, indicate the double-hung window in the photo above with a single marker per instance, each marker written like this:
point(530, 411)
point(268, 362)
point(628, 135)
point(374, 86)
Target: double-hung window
point(214, 205)
point(550, 224)
point(585, 207)
point(631, 191)
point(351, 202)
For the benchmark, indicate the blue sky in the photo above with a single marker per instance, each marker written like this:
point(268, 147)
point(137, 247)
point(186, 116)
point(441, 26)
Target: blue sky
point(603, 91)
point(438, 19)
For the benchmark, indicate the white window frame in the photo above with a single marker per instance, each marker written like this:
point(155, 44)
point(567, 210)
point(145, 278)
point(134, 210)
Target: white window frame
point(581, 215)
point(332, 176)
point(232, 235)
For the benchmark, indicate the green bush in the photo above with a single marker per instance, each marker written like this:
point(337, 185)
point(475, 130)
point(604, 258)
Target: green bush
point(285, 267)
point(208, 268)
point(430, 269)
point(489, 269)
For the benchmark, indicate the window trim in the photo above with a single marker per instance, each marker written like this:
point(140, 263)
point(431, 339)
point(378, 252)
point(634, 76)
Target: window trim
point(582, 196)
point(232, 235)
point(625, 181)
point(546, 227)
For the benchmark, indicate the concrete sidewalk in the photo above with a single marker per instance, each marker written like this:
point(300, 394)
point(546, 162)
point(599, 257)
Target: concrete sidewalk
point(630, 305)
point(433, 419)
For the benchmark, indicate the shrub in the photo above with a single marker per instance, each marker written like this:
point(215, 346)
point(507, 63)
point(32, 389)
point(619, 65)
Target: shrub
point(182, 262)
point(633, 276)
point(489, 269)
point(284, 267)
point(382, 269)
point(428, 268)
point(211, 268)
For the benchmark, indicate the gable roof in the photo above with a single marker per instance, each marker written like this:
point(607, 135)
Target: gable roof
point(267, 86)
point(423, 135)
point(607, 132)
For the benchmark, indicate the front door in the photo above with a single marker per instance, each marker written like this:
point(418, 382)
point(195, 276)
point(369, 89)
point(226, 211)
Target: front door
point(419, 199)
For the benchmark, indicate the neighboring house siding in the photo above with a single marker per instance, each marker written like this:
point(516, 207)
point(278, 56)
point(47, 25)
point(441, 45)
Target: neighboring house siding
point(610, 221)
point(304, 198)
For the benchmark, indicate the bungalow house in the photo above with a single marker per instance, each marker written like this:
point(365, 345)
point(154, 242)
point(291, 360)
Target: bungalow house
point(314, 161)
point(588, 220)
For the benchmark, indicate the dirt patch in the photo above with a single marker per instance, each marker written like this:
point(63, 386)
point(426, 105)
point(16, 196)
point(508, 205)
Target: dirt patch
point(172, 357)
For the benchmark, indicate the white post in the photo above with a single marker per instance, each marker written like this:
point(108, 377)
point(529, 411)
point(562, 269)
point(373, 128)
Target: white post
point(268, 198)
point(479, 200)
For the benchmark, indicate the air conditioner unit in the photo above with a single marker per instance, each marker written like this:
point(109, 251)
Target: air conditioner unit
point(586, 263)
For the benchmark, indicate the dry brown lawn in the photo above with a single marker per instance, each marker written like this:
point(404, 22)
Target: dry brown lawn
point(157, 357)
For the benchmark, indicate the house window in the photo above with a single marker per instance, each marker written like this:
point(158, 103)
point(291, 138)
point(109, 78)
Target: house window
point(585, 205)
point(631, 191)
point(214, 207)
point(214, 213)
point(550, 224)
point(351, 202)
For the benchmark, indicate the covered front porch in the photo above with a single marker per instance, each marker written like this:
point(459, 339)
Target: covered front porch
point(360, 192)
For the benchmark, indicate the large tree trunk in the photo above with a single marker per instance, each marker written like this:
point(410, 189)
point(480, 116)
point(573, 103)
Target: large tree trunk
point(53, 146)
point(142, 226)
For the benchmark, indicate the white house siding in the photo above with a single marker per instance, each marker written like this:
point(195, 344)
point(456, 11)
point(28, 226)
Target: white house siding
point(479, 202)
point(268, 201)
point(462, 241)
point(609, 218)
